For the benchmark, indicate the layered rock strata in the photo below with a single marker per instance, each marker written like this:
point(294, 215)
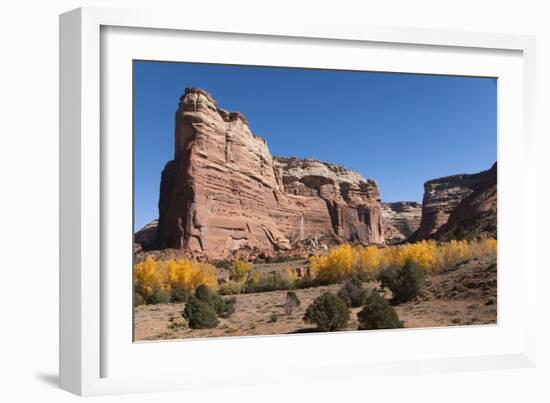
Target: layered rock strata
point(476, 215)
point(400, 220)
point(224, 192)
point(442, 196)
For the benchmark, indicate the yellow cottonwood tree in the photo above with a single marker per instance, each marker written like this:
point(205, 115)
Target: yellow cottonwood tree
point(151, 276)
point(343, 261)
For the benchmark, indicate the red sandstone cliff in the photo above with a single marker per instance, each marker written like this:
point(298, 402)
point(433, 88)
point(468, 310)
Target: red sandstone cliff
point(476, 215)
point(459, 206)
point(224, 192)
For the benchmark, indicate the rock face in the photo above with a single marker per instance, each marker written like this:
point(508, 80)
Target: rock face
point(224, 192)
point(442, 196)
point(147, 235)
point(400, 220)
point(352, 203)
point(476, 215)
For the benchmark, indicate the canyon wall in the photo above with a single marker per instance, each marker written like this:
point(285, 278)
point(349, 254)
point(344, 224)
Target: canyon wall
point(476, 215)
point(400, 220)
point(443, 200)
point(224, 192)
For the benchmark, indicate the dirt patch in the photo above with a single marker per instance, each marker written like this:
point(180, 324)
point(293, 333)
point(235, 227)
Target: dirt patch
point(254, 315)
point(466, 295)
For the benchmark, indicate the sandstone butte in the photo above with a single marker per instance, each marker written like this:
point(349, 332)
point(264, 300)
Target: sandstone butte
point(224, 192)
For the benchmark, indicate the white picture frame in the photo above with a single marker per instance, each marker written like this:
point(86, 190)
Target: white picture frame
point(96, 354)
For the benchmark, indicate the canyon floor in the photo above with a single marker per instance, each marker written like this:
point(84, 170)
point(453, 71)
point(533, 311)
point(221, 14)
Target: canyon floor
point(463, 295)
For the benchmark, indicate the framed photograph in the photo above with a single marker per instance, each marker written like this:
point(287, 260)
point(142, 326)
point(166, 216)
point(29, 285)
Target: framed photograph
point(293, 199)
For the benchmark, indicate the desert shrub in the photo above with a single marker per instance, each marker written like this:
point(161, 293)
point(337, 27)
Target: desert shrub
point(292, 302)
point(291, 276)
point(179, 295)
point(159, 296)
point(230, 288)
point(387, 276)
point(224, 264)
point(281, 259)
point(207, 295)
point(308, 282)
point(273, 318)
point(267, 282)
point(239, 270)
point(223, 307)
point(199, 315)
point(405, 283)
point(378, 314)
point(353, 293)
point(177, 324)
point(305, 282)
point(328, 312)
point(364, 276)
point(138, 299)
point(230, 304)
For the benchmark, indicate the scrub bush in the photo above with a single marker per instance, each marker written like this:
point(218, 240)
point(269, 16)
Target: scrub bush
point(239, 270)
point(353, 293)
point(223, 307)
point(378, 314)
point(199, 315)
point(267, 282)
point(328, 312)
point(406, 282)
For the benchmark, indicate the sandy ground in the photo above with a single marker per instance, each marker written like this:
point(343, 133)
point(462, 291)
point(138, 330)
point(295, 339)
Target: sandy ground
point(464, 296)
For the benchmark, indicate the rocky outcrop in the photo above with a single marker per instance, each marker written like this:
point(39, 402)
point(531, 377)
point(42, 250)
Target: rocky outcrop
point(352, 203)
point(476, 215)
point(147, 235)
point(442, 196)
point(400, 220)
point(223, 192)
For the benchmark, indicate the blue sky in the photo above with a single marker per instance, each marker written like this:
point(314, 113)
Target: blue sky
point(400, 129)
